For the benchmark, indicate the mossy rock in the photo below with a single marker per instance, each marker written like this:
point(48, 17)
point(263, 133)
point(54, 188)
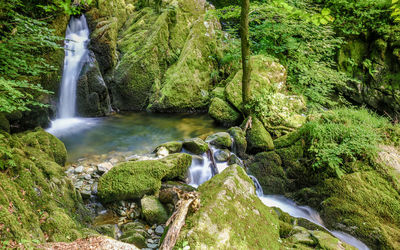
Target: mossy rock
point(231, 194)
point(107, 230)
point(178, 165)
point(223, 113)
point(37, 201)
point(220, 140)
point(134, 233)
point(258, 138)
point(153, 211)
point(267, 168)
point(47, 143)
point(239, 141)
point(195, 145)
point(218, 92)
point(131, 180)
point(172, 147)
point(266, 75)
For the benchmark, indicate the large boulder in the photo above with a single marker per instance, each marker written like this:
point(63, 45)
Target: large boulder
point(131, 180)
point(92, 97)
point(220, 140)
point(228, 195)
point(166, 58)
point(258, 138)
point(178, 165)
point(195, 145)
point(278, 110)
point(239, 141)
point(223, 113)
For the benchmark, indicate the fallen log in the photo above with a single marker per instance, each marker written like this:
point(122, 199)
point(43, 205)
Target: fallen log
point(187, 201)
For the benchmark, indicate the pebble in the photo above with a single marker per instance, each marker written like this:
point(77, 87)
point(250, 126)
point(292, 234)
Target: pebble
point(78, 170)
point(87, 176)
point(150, 231)
point(152, 246)
point(159, 230)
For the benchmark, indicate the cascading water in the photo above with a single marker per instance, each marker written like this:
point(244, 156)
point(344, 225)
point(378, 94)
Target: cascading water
point(76, 52)
point(200, 172)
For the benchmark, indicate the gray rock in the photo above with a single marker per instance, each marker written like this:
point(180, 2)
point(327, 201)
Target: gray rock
point(104, 167)
point(86, 193)
point(87, 176)
point(78, 184)
point(159, 230)
point(150, 231)
point(78, 170)
point(152, 246)
point(222, 155)
point(220, 140)
point(94, 188)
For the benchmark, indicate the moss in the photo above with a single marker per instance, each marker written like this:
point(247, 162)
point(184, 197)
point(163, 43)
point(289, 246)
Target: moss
point(172, 147)
point(218, 92)
point(46, 143)
point(196, 146)
point(239, 141)
point(220, 140)
point(107, 229)
point(228, 195)
point(287, 140)
point(178, 165)
point(131, 180)
point(223, 113)
point(266, 75)
point(37, 200)
point(267, 168)
point(4, 124)
point(258, 138)
point(153, 211)
point(364, 205)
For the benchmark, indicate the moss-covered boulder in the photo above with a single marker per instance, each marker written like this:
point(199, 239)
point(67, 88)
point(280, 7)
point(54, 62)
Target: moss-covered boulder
point(172, 147)
point(267, 168)
point(131, 180)
point(223, 113)
point(258, 138)
point(279, 111)
point(231, 194)
point(195, 145)
point(134, 233)
point(239, 141)
point(37, 201)
point(220, 140)
point(177, 164)
point(153, 211)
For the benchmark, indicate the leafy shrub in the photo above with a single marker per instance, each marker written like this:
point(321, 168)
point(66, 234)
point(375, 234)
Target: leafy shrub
point(343, 136)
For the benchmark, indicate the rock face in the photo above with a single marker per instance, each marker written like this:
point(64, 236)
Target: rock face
point(166, 59)
point(33, 188)
point(376, 64)
point(92, 93)
point(231, 194)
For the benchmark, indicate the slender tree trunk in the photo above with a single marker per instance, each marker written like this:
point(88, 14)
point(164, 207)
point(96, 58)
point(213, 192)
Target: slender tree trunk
point(244, 33)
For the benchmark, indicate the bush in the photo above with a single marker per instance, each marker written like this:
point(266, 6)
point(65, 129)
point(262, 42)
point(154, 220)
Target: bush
point(342, 136)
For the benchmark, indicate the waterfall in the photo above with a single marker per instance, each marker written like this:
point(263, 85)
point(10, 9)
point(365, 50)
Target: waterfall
point(76, 52)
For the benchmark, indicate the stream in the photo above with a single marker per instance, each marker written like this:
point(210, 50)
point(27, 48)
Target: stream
point(140, 133)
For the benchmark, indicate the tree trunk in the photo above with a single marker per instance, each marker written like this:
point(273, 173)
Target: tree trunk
point(244, 33)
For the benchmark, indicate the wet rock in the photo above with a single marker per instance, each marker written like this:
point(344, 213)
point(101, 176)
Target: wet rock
point(235, 160)
point(87, 177)
point(153, 211)
point(222, 155)
point(152, 246)
point(239, 141)
point(78, 184)
point(168, 195)
point(108, 230)
point(172, 147)
point(195, 145)
point(86, 193)
point(220, 140)
point(162, 152)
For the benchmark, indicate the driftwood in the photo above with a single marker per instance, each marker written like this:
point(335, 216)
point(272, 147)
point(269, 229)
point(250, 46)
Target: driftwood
point(186, 201)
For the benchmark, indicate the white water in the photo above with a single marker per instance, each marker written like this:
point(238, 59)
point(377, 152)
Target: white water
point(200, 172)
point(76, 53)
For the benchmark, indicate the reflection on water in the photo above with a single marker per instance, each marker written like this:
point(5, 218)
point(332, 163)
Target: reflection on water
point(132, 132)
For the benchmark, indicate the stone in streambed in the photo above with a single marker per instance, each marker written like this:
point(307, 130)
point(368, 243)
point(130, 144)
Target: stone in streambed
point(104, 167)
point(220, 140)
point(172, 147)
point(239, 141)
point(222, 155)
point(258, 138)
point(177, 164)
point(153, 211)
point(195, 145)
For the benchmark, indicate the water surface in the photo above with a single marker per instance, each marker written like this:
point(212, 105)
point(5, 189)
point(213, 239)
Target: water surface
point(137, 133)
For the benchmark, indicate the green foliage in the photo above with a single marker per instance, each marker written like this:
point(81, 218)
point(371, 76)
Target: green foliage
point(6, 156)
point(396, 10)
point(342, 136)
point(67, 6)
point(19, 95)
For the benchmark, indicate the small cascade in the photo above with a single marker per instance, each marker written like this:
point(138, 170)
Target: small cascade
point(201, 171)
point(76, 52)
